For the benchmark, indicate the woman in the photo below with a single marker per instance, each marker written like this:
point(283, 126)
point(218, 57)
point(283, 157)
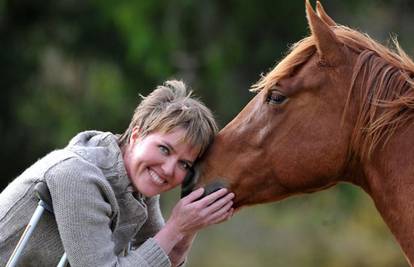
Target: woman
point(105, 191)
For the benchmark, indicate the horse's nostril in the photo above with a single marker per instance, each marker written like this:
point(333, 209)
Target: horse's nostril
point(213, 187)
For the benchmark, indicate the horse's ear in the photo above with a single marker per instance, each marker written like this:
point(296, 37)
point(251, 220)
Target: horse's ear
point(323, 15)
point(326, 42)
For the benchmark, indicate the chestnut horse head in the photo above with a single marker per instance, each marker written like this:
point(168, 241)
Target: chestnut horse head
point(337, 108)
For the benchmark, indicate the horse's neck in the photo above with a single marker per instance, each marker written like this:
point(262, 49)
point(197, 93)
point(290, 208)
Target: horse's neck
point(389, 180)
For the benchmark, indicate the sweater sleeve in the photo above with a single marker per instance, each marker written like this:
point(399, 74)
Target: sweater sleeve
point(83, 204)
point(154, 223)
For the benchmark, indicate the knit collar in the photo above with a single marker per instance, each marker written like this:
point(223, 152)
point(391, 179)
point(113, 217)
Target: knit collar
point(123, 182)
point(102, 149)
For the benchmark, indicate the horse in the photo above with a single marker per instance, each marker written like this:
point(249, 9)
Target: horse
point(338, 108)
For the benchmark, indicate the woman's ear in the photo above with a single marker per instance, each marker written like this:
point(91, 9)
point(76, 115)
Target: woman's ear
point(135, 135)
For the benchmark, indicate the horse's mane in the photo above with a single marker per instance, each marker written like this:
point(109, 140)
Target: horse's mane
point(385, 74)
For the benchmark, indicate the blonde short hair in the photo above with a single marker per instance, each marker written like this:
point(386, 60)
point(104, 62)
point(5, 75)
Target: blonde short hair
point(170, 106)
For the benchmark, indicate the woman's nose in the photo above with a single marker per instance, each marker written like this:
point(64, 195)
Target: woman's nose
point(168, 167)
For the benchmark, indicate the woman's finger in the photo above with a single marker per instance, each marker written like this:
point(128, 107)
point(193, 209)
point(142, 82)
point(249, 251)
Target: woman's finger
point(220, 203)
point(222, 215)
point(207, 200)
point(193, 195)
point(228, 215)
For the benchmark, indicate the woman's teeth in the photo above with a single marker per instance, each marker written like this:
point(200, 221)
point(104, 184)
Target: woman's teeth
point(156, 178)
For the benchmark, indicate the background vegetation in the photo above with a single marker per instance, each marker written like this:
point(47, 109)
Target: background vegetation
point(72, 65)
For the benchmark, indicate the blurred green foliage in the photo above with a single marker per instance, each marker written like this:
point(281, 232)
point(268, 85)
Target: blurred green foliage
point(71, 65)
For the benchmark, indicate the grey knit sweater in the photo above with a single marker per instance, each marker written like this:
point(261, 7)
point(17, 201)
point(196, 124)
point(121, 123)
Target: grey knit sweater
point(96, 211)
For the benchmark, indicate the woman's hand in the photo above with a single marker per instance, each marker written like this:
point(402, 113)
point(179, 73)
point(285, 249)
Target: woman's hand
point(190, 215)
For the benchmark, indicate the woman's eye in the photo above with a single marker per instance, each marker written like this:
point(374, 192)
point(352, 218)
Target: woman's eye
point(164, 150)
point(275, 98)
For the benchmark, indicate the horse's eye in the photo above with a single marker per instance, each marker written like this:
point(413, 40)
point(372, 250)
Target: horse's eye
point(275, 98)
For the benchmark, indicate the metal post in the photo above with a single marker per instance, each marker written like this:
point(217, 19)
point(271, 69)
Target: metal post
point(26, 235)
point(45, 203)
point(63, 260)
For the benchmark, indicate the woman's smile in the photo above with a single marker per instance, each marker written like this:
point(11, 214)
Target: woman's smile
point(156, 178)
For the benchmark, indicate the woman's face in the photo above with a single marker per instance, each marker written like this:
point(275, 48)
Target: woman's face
point(159, 161)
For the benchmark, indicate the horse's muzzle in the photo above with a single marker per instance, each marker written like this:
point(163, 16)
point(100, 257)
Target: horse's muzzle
point(190, 182)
